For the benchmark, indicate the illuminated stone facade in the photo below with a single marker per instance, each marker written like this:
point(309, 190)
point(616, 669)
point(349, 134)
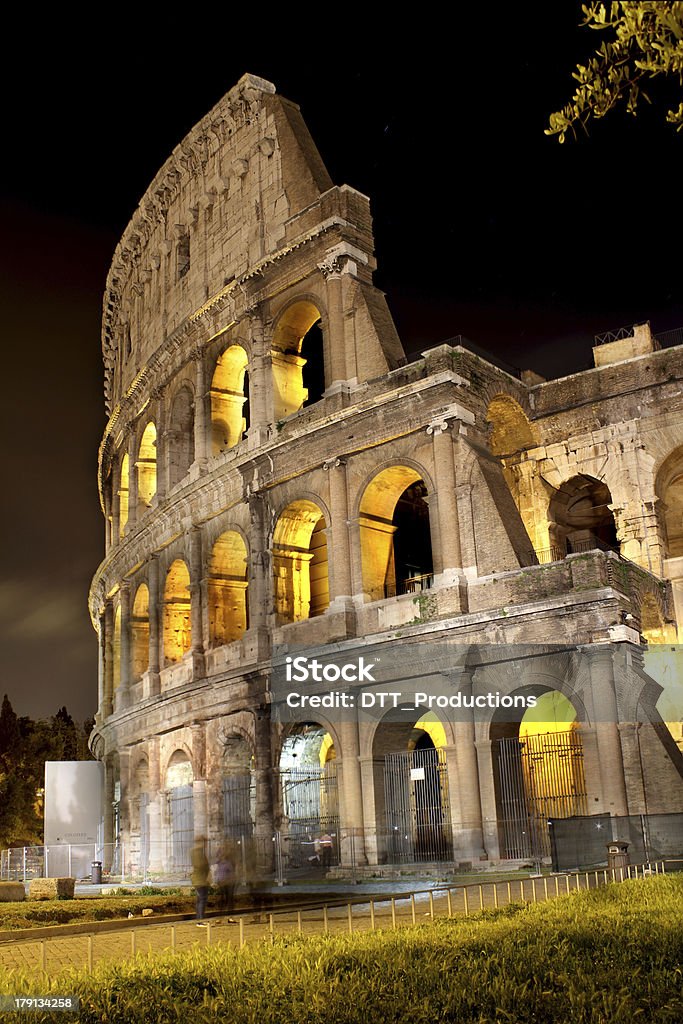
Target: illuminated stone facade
point(275, 472)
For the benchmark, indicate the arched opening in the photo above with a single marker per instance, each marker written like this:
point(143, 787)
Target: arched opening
point(147, 468)
point(669, 488)
point(123, 495)
point(180, 810)
point(177, 621)
point(300, 569)
point(538, 773)
point(396, 544)
point(116, 648)
point(412, 801)
point(509, 429)
point(227, 589)
point(581, 518)
point(229, 399)
point(180, 437)
point(310, 807)
point(139, 626)
point(239, 793)
point(298, 359)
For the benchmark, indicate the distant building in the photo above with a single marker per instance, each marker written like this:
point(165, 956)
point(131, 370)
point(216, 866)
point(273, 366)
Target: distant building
point(276, 476)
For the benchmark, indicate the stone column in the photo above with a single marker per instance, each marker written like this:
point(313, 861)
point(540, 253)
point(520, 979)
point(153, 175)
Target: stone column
point(261, 413)
point(466, 520)
point(353, 834)
point(335, 344)
point(199, 781)
point(100, 661)
point(108, 533)
point(124, 802)
point(123, 694)
point(450, 555)
point(154, 660)
point(470, 829)
point(201, 420)
point(263, 781)
point(155, 796)
point(339, 549)
point(196, 617)
point(132, 480)
point(108, 699)
point(260, 584)
point(162, 448)
point(487, 792)
point(605, 715)
point(116, 504)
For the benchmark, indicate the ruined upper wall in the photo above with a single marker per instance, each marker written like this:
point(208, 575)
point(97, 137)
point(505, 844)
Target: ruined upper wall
point(245, 183)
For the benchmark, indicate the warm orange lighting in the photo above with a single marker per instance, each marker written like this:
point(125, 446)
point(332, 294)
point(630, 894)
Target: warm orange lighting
point(123, 496)
point(288, 386)
point(147, 467)
point(139, 625)
point(177, 622)
point(300, 562)
point(228, 589)
point(228, 398)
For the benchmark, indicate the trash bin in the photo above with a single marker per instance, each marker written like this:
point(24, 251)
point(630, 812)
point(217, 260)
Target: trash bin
point(96, 872)
point(617, 855)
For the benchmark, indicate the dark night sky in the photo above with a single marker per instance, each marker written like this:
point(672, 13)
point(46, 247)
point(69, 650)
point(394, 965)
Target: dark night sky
point(484, 227)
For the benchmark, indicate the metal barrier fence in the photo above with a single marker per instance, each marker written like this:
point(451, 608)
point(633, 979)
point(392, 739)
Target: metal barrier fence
point(581, 841)
point(360, 915)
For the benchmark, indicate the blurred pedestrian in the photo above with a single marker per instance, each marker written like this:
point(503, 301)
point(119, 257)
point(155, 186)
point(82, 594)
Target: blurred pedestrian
point(225, 878)
point(200, 876)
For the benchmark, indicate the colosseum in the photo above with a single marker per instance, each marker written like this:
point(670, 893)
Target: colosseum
point(279, 481)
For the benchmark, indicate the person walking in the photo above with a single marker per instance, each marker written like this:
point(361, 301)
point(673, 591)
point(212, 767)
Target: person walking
point(200, 876)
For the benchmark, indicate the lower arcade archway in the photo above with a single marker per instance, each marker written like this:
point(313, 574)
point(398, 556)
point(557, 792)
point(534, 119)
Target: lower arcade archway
point(538, 767)
point(309, 819)
point(179, 811)
point(412, 800)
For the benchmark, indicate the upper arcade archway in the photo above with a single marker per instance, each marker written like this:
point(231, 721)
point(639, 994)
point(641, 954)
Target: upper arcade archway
point(177, 620)
point(300, 569)
point(227, 589)
point(229, 399)
point(147, 467)
point(395, 535)
point(581, 518)
point(139, 625)
point(180, 436)
point(298, 359)
point(669, 489)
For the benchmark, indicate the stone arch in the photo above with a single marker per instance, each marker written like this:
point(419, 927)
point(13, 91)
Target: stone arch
point(300, 567)
point(138, 793)
point(177, 638)
point(147, 467)
point(395, 534)
point(139, 628)
point(580, 516)
point(299, 371)
point(308, 789)
point(669, 490)
point(178, 780)
point(510, 431)
point(238, 787)
point(124, 491)
point(179, 770)
point(180, 435)
point(227, 585)
point(229, 399)
point(538, 767)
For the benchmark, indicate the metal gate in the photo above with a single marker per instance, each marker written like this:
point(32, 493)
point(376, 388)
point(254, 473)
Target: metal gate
point(238, 803)
point(181, 826)
point(417, 805)
point(311, 808)
point(537, 778)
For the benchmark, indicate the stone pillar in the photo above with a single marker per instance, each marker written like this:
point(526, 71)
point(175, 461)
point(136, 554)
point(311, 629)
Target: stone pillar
point(154, 605)
point(123, 694)
point(450, 555)
point(196, 617)
point(108, 533)
point(162, 449)
point(155, 797)
point(466, 520)
point(487, 792)
point(260, 385)
point(263, 781)
point(199, 781)
point(100, 660)
point(124, 802)
point(132, 480)
point(353, 827)
point(260, 591)
point(339, 549)
point(108, 696)
point(606, 716)
point(335, 345)
point(469, 830)
point(115, 504)
point(201, 420)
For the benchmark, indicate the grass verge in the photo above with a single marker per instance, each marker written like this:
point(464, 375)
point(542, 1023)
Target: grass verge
point(607, 956)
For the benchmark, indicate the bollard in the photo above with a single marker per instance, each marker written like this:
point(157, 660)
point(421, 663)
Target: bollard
point(450, 905)
point(431, 904)
point(350, 912)
point(521, 888)
point(241, 933)
point(481, 897)
point(545, 888)
point(557, 886)
point(412, 906)
point(509, 892)
point(325, 921)
point(89, 954)
point(43, 955)
point(173, 938)
point(495, 895)
point(132, 942)
point(208, 933)
point(393, 913)
point(372, 915)
point(533, 889)
point(567, 883)
point(464, 893)
point(271, 927)
point(298, 921)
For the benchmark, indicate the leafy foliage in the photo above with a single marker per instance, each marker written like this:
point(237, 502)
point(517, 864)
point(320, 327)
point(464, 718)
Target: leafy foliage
point(645, 44)
point(25, 746)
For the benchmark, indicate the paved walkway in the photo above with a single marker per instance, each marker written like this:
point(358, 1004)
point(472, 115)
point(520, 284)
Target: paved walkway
point(62, 950)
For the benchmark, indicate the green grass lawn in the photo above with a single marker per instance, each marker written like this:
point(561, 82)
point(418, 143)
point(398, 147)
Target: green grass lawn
point(604, 956)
